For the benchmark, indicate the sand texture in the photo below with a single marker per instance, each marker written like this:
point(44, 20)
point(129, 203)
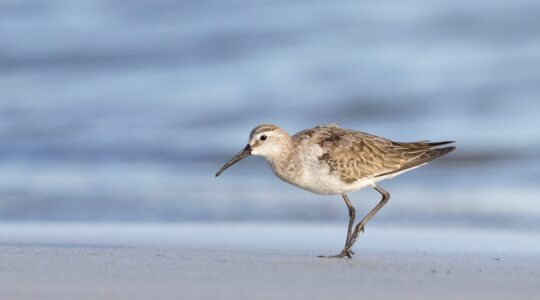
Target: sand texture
point(268, 261)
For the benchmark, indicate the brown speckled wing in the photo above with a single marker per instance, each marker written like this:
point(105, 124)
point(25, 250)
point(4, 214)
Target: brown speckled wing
point(357, 155)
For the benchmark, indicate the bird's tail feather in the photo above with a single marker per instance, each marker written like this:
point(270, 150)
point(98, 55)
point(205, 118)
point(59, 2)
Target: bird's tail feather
point(429, 155)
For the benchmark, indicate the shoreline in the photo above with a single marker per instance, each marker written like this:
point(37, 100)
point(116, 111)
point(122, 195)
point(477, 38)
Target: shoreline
point(262, 261)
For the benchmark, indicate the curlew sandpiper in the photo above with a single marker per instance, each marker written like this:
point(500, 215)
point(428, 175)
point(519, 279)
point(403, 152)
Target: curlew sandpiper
point(331, 160)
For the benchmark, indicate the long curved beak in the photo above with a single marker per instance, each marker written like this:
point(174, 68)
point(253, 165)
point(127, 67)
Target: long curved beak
point(242, 154)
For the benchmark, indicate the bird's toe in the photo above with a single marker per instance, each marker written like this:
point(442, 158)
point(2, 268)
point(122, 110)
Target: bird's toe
point(344, 253)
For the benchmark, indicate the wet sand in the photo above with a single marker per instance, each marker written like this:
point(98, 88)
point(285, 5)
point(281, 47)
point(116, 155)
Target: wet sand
point(264, 261)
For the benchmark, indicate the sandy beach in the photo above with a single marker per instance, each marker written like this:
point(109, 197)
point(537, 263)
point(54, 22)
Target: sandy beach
point(262, 261)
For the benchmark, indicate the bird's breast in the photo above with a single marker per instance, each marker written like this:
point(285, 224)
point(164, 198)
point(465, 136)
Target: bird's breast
point(308, 172)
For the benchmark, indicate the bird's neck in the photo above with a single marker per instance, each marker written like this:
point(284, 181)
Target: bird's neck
point(282, 162)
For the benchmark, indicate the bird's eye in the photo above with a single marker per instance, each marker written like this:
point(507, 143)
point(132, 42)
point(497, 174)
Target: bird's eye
point(263, 137)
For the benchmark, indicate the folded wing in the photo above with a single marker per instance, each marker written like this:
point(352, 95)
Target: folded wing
point(356, 155)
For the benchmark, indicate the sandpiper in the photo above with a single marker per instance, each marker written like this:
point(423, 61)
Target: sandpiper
point(331, 160)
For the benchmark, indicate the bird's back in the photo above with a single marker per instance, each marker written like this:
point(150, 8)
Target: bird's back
point(358, 156)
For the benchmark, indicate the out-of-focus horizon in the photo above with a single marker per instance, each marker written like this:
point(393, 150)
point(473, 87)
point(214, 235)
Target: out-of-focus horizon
point(124, 111)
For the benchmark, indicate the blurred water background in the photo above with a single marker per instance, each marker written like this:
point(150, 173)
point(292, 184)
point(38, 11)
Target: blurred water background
point(124, 110)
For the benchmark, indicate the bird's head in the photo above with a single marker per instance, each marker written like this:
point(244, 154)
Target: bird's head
point(268, 141)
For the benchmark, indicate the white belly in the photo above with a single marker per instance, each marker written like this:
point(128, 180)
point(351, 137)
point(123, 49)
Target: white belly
point(332, 185)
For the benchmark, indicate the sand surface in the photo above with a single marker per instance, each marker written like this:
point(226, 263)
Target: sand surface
point(263, 261)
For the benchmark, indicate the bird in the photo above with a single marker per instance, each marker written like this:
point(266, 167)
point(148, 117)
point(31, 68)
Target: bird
point(330, 160)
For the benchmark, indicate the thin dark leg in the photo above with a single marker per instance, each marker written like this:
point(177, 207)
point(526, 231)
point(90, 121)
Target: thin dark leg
point(352, 216)
point(362, 224)
point(360, 227)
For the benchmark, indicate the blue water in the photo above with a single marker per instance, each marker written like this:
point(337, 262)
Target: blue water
point(124, 110)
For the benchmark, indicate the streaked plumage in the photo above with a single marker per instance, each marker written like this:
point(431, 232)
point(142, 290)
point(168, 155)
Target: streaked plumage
point(356, 155)
point(331, 160)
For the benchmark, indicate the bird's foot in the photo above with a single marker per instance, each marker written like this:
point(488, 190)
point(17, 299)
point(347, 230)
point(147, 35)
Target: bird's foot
point(344, 253)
